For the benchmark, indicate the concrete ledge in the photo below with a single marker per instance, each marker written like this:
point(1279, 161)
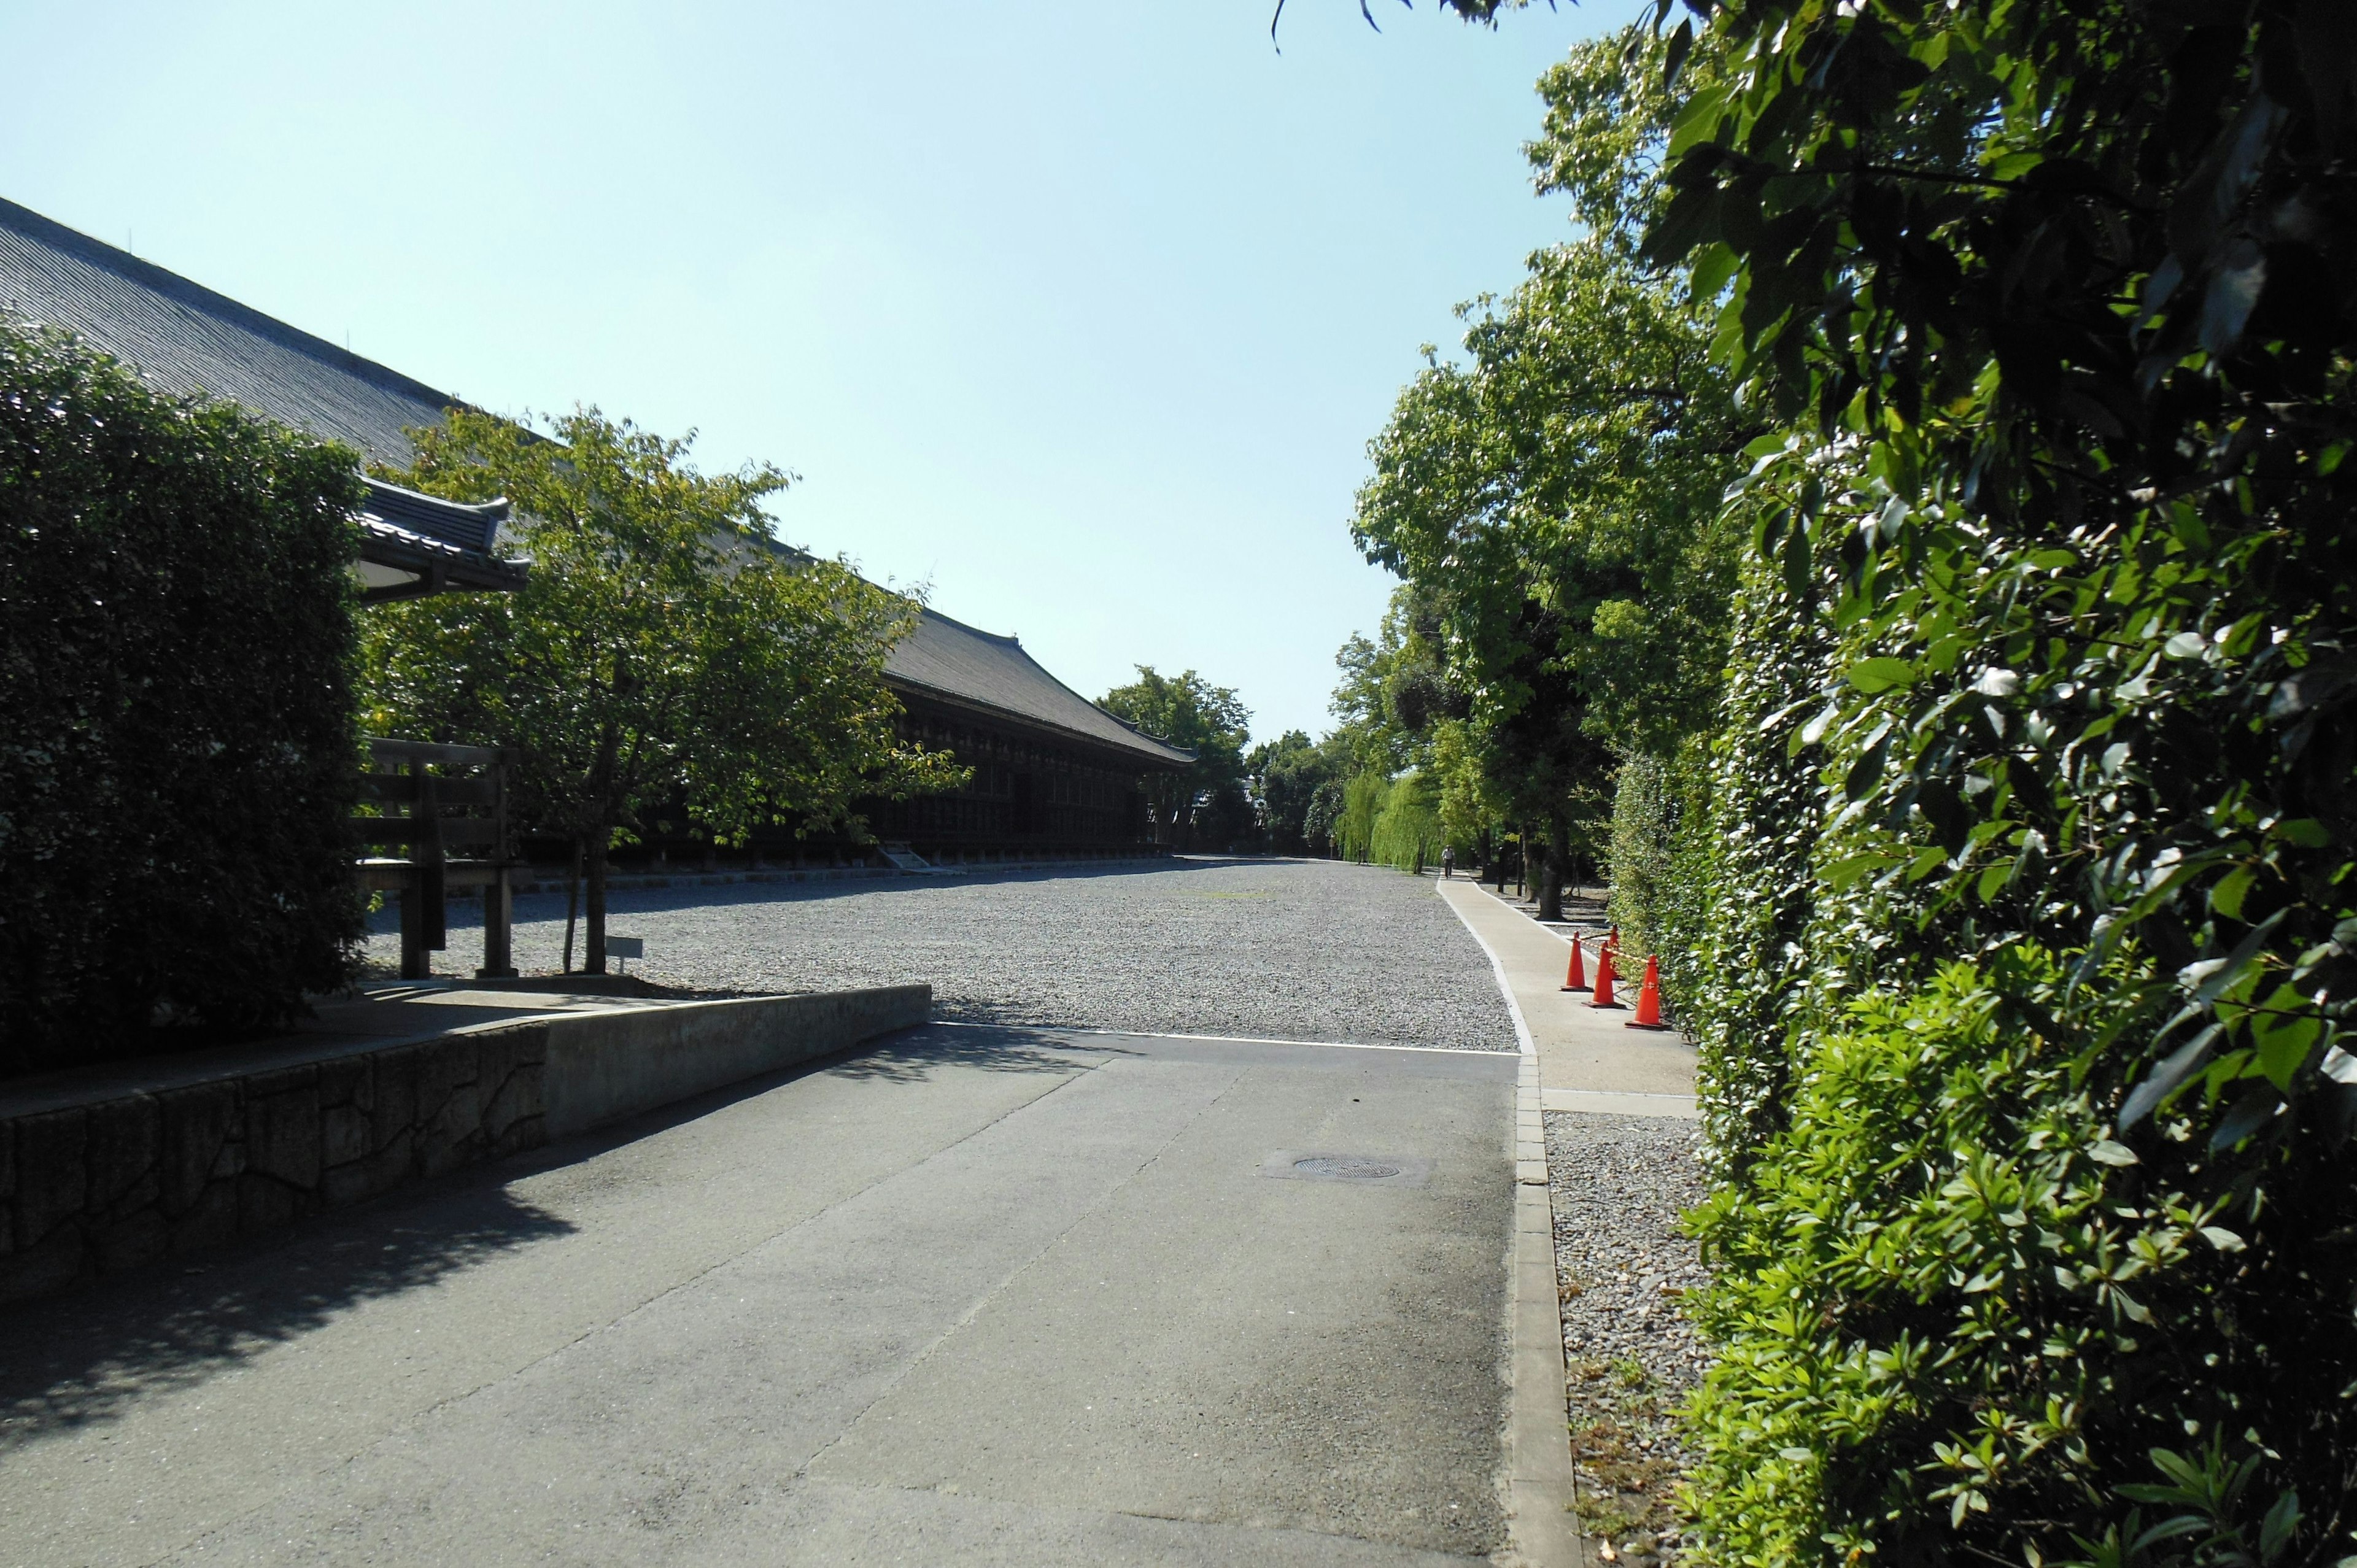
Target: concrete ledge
point(603, 1067)
point(119, 1166)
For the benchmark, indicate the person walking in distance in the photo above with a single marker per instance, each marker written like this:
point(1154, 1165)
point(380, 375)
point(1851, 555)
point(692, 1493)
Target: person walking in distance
point(1448, 861)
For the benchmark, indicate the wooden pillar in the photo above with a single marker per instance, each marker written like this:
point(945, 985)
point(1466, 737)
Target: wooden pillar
point(423, 929)
point(498, 927)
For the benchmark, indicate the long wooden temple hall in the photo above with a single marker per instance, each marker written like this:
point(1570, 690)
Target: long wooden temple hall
point(1054, 775)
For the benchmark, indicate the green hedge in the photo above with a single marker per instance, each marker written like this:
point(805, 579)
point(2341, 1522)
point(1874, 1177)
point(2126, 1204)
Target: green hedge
point(2019, 1051)
point(176, 644)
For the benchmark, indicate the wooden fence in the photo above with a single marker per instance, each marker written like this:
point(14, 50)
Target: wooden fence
point(435, 800)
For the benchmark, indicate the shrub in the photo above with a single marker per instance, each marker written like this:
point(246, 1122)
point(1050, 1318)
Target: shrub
point(180, 754)
point(2036, 1235)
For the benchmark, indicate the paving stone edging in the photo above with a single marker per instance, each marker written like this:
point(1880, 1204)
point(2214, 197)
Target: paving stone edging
point(94, 1184)
point(1539, 1479)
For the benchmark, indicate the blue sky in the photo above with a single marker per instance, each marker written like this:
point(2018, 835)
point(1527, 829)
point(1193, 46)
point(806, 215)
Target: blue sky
point(1082, 315)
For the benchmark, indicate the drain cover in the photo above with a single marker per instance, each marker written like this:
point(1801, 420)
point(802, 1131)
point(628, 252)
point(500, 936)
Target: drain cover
point(1345, 1167)
point(1362, 1170)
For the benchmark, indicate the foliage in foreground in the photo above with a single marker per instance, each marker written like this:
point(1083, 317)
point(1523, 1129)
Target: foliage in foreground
point(2051, 814)
point(664, 653)
point(173, 786)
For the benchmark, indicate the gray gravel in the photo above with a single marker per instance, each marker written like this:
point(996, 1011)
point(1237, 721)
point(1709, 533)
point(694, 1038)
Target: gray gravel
point(1292, 949)
point(1618, 1185)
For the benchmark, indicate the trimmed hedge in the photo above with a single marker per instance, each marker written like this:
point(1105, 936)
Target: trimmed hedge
point(178, 764)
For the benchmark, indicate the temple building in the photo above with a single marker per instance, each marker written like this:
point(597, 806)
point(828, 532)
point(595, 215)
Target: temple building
point(1054, 775)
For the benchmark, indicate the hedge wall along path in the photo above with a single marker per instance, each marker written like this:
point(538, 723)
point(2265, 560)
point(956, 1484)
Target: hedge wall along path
point(177, 761)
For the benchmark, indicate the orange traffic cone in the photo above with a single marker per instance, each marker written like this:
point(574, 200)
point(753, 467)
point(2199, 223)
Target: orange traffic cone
point(1604, 976)
point(1648, 999)
point(1576, 977)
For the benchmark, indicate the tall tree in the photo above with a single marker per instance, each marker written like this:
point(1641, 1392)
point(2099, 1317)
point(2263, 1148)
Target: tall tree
point(1286, 774)
point(1212, 722)
point(664, 648)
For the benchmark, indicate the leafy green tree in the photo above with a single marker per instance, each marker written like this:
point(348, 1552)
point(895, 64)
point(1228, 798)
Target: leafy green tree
point(663, 651)
point(1284, 776)
point(1555, 500)
point(1212, 722)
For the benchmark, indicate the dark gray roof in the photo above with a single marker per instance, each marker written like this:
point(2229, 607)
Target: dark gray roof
point(949, 659)
point(434, 544)
point(186, 338)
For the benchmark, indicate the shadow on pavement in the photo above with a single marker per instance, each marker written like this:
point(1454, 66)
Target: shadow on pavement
point(913, 1055)
point(74, 1360)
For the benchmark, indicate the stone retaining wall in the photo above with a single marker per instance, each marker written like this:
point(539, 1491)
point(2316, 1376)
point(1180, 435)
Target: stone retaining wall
point(128, 1177)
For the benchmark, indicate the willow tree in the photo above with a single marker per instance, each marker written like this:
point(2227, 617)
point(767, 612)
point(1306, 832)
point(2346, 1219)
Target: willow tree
point(664, 650)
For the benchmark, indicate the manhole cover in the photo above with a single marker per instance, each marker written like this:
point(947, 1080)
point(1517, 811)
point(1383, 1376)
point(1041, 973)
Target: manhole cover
point(1328, 1165)
point(1343, 1167)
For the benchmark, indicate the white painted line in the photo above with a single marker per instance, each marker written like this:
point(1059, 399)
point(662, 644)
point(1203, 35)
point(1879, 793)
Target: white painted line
point(1530, 1046)
point(1224, 1039)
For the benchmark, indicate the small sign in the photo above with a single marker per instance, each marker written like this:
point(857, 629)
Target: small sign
point(625, 948)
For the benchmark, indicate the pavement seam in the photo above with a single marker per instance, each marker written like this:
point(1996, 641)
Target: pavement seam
point(986, 1297)
point(1541, 1482)
point(418, 1417)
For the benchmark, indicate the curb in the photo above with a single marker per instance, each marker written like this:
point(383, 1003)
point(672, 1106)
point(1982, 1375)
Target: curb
point(1539, 1483)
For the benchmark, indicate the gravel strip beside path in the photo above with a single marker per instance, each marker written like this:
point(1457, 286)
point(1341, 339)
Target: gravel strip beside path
point(1619, 1183)
point(1293, 949)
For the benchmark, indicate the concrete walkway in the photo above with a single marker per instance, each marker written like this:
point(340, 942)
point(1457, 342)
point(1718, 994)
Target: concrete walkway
point(983, 1296)
point(1589, 1059)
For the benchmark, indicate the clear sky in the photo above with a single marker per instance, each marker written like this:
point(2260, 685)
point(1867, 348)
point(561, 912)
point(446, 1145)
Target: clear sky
point(1080, 315)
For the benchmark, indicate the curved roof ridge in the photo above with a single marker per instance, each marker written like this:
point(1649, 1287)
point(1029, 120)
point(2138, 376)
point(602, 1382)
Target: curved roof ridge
point(944, 655)
point(184, 290)
point(1004, 639)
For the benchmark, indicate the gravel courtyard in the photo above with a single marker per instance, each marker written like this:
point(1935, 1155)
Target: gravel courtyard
point(1291, 949)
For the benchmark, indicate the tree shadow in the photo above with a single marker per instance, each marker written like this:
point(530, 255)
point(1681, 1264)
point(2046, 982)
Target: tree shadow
point(82, 1357)
point(78, 1358)
point(913, 1055)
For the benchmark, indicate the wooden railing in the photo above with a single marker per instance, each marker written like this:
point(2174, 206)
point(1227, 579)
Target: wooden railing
point(437, 798)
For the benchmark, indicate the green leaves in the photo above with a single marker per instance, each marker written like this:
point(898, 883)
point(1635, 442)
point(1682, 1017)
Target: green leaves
point(177, 755)
point(665, 649)
point(1881, 673)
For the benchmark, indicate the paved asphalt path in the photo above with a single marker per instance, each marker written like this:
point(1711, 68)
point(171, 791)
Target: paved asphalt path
point(974, 1295)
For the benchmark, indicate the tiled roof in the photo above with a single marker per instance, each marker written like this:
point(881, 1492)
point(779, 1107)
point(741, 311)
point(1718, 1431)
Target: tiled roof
point(951, 659)
point(445, 543)
point(186, 338)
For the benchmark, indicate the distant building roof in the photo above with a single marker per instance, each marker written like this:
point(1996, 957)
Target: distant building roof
point(186, 338)
point(948, 658)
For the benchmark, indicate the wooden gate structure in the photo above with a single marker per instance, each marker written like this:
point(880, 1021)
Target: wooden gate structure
point(437, 799)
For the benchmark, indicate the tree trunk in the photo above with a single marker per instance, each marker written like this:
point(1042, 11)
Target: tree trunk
point(594, 960)
point(1551, 873)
